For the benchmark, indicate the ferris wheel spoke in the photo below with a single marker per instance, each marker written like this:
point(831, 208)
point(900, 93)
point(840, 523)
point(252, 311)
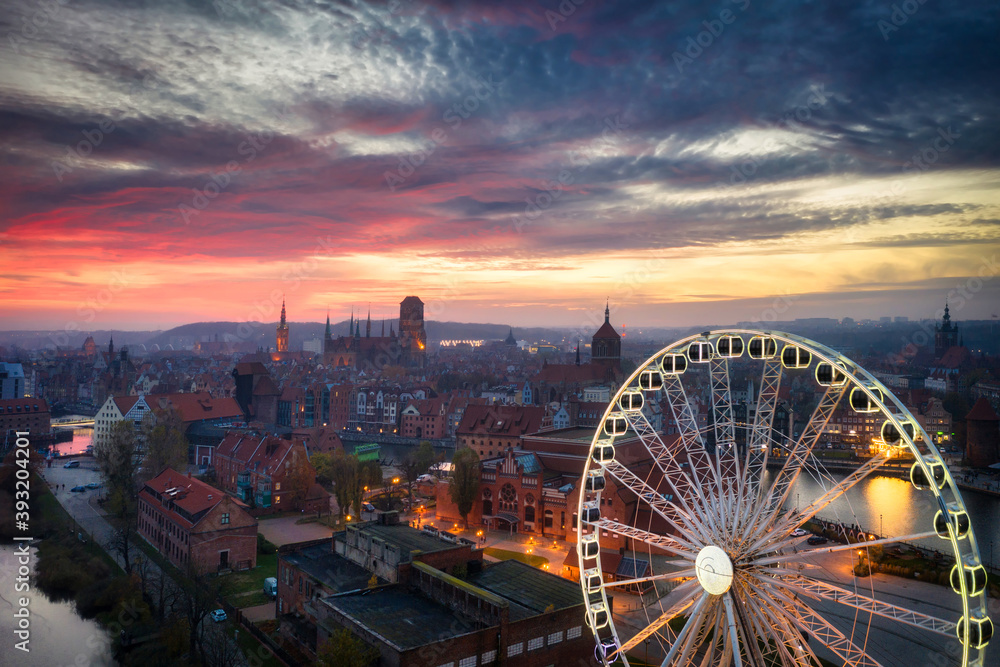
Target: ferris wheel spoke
point(684, 490)
point(815, 507)
point(821, 590)
point(727, 600)
point(760, 630)
point(680, 521)
point(689, 435)
point(795, 617)
point(797, 555)
point(664, 619)
point(652, 539)
point(690, 572)
point(685, 638)
point(763, 420)
point(770, 507)
point(825, 632)
point(722, 410)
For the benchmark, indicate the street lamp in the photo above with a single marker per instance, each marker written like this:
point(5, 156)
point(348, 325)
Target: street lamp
point(881, 532)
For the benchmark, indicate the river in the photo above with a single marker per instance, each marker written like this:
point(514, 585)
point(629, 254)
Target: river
point(59, 637)
point(890, 506)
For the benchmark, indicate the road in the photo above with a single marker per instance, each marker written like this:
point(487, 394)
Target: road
point(83, 507)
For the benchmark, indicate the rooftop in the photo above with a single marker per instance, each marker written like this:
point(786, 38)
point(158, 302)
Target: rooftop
point(529, 590)
point(407, 538)
point(403, 619)
point(332, 570)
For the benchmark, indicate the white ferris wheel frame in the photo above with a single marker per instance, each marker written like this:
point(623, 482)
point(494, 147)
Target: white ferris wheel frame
point(684, 516)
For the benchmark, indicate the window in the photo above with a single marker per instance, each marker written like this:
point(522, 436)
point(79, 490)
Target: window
point(488, 657)
point(225, 517)
point(536, 643)
point(515, 649)
point(277, 486)
point(277, 500)
point(573, 633)
point(467, 662)
point(448, 664)
point(555, 638)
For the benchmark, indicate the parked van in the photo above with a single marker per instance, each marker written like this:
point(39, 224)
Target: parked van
point(271, 587)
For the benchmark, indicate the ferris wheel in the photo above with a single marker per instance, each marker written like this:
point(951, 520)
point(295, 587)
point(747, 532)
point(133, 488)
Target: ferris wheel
point(719, 566)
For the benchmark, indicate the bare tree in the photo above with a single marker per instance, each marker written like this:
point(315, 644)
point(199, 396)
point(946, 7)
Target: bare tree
point(164, 442)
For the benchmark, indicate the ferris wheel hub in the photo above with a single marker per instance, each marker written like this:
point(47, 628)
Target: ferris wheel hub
point(714, 570)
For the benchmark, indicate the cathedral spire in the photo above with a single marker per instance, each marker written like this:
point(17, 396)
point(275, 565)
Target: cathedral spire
point(282, 310)
point(607, 311)
point(368, 326)
point(577, 351)
point(350, 327)
point(328, 323)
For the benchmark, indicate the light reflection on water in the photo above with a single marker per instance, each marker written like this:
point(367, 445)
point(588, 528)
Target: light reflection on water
point(900, 509)
point(58, 636)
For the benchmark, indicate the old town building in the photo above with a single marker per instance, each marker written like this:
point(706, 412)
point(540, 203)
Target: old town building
point(196, 526)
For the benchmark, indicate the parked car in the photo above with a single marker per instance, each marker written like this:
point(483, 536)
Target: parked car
point(799, 532)
point(94, 485)
point(367, 507)
point(79, 489)
point(816, 539)
point(219, 615)
point(72, 464)
point(271, 587)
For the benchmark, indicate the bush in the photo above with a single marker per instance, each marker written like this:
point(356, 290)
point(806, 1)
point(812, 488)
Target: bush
point(265, 547)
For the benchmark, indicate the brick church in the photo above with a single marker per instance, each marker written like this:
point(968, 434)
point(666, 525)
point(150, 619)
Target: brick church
point(357, 351)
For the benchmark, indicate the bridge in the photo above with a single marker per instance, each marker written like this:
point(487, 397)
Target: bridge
point(63, 423)
point(358, 437)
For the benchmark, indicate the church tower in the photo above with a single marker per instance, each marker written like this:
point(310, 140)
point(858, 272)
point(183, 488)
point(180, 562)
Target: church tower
point(606, 346)
point(368, 326)
point(945, 334)
point(282, 334)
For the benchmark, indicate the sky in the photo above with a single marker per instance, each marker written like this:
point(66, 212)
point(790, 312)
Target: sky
point(165, 162)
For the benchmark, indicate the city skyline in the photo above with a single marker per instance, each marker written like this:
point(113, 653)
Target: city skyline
point(511, 163)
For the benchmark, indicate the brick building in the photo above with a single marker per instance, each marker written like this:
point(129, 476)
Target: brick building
point(269, 473)
point(196, 525)
point(478, 614)
point(491, 429)
point(24, 414)
point(425, 418)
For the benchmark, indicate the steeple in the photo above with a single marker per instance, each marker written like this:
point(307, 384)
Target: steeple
point(357, 328)
point(577, 351)
point(368, 326)
point(328, 336)
point(281, 336)
point(946, 320)
point(350, 327)
point(607, 311)
point(282, 311)
point(111, 347)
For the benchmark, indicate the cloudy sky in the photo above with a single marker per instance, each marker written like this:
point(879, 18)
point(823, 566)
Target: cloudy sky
point(166, 162)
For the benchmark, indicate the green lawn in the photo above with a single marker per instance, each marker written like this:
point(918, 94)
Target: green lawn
point(504, 554)
point(249, 599)
point(251, 580)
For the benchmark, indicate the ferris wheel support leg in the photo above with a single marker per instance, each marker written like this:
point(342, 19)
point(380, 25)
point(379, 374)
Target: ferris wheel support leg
point(731, 616)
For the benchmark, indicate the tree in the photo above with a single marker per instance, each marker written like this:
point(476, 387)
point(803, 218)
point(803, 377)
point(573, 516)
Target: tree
point(464, 487)
point(346, 480)
point(323, 465)
point(198, 594)
point(298, 477)
point(416, 464)
point(165, 444)
point(343, 649)
point(118, 458)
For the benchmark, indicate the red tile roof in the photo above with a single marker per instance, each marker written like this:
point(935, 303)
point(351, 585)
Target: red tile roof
point(510, 420)
point(125, 403)
point(196, 407)
point(189, 494)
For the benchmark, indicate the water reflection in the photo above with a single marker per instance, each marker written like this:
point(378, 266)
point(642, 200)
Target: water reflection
point(900, 509)
point(58, 635)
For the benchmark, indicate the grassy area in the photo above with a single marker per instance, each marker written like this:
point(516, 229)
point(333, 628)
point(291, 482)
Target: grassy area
point(251, 580)
point(504, 554)
point(249, 599)
point(256, 652)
